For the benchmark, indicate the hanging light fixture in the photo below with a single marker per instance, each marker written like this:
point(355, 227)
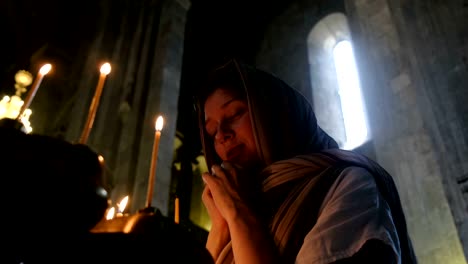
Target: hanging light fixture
point(10, 106)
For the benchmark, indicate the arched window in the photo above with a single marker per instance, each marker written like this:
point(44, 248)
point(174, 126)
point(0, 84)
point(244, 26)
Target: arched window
point(349, 90)
point(336, 91)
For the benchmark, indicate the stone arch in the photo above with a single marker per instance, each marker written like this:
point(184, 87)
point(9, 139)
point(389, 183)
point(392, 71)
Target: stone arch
point(321, 41)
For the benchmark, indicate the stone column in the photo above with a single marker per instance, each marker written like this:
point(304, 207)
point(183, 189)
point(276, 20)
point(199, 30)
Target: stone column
point(143, 41)
point(162, 98)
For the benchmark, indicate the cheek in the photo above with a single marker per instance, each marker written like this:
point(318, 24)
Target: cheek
point(248, 136)
point(251, 142)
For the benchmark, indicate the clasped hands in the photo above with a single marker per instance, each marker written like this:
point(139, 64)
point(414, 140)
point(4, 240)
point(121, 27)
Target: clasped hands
point(223, 195)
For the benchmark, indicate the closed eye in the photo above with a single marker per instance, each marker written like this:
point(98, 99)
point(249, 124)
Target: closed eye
point(236, 115)
point(233, 111)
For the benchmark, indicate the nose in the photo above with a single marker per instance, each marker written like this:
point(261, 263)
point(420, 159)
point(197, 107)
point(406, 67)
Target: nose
point(223, 134)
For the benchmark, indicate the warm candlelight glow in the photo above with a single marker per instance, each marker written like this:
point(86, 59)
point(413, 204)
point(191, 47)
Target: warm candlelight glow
point(110, 214)
point(105, 68)
point(32, 91)
point(23, 78)
point(122, 204)
point(101, 159)
point(154, 160)
point(159, 123)
point(45, 69)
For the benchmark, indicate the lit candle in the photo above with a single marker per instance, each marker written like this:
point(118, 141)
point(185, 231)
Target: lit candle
point(105, 70)
point(110, 213)
point(154, 160)
point(176, 210)
point(123, 204)
point(101, 159)
point(35, 86)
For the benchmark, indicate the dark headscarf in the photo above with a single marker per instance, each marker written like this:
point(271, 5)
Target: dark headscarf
point(288, 138)
point(272, 104)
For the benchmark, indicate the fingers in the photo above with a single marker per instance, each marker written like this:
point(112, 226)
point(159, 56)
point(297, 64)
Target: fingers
point(206, 196)
point(214, 186)
point(206, 193)
point(221, 192)
point(217, 179)
point(227, 173)
point(208, 201)
point(209, 179)
point(219, 172)
point(227, 166)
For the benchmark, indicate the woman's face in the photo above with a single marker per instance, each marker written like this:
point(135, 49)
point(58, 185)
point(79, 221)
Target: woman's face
point(227, 122)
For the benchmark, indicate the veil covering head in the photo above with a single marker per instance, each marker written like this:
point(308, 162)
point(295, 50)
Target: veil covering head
point(283, 121)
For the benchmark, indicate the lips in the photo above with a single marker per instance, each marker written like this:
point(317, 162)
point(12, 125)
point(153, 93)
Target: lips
point(233, 152)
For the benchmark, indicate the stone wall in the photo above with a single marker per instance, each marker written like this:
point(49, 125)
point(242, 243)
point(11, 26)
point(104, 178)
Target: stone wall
point(412, 61)
point(143, 41)
point(165, 87)
point(408, 119)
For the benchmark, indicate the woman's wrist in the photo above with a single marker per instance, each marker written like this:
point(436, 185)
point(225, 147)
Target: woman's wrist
point(240, 213)
point(217, 240)
point(251, 240)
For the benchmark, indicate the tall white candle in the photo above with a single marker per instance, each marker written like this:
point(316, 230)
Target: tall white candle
point(35, 86)
point(154, 160)
point(105, 70)
point(176, 210)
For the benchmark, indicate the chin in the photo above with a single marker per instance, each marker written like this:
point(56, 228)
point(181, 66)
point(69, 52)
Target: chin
point(247, 164)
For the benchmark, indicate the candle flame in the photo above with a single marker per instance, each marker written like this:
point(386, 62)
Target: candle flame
point(123, 204)
point(105, 68)
point(159, 123)
point(110, 213)
point(101, 159)
point(45, 69)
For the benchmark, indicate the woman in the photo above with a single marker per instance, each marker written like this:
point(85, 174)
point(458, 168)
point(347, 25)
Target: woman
point(280, 190)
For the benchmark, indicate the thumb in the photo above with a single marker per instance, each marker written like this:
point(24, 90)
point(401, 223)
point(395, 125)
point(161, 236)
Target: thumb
point(207, 178)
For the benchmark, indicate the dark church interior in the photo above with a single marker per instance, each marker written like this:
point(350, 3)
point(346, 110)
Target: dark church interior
point(412, 63)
